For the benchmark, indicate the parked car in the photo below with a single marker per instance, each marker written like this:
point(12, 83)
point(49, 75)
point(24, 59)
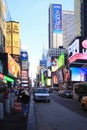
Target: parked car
point(84, 103)
point(41, 94)
point(67, 93)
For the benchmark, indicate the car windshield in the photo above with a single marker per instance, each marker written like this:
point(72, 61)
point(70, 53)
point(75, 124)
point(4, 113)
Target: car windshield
point(68, 91)
point(41, 91)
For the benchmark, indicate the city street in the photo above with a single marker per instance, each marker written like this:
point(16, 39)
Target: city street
point(60, 114)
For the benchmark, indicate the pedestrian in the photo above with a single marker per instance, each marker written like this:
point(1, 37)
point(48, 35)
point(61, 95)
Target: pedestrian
point(5, 93)
point(25, 101)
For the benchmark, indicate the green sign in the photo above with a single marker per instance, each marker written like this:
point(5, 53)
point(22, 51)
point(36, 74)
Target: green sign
point(8, 78)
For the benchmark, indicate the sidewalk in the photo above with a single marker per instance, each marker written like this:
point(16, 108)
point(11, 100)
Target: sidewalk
point(13, 121)
point(16, 120)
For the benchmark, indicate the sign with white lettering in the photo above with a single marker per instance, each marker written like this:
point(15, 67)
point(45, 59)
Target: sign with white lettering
point(57, 18)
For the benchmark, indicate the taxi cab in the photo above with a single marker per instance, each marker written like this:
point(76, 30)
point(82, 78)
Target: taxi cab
point(84, 103)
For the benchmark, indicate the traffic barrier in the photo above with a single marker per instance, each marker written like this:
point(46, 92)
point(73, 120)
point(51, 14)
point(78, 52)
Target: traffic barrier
point(17, 106)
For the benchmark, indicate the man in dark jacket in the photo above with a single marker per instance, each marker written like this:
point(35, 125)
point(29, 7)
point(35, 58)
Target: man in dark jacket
point(25, 101)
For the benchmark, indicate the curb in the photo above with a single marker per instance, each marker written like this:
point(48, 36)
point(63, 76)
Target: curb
point(31, 125)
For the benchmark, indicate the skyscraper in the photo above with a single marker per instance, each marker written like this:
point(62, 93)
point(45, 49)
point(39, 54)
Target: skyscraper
point(68, 27)
point(2, 24)
point(55, 25)
point(80, 7)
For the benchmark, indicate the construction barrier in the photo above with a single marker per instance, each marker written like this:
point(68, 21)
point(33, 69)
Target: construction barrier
point(17, 106)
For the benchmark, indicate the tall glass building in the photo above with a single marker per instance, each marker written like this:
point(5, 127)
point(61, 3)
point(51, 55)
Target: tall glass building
point(55, 25)
point(80, 7)
point(68, 27)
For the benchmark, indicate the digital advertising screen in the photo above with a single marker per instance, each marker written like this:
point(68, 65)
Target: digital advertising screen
point(13, 67)
point(61, 60)
point(54, 64)
point(57, 18)
point(78, 74)
point(24, 55)
point(60, 75)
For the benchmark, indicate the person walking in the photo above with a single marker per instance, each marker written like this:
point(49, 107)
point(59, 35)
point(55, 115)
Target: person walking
point(25, 101)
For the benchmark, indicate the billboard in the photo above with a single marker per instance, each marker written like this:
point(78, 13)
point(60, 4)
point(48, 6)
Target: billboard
point(49, 61)
point(61, 60)
point(24, 55)
point(74, 48)
point(60, 75)
point(43, 62)
point(13, 67)
point(6, 78)
point(24, 74)
point(57, 18)
point(78, 74)
point(12, 38)
point(78, 50)
point(48, 82)
point(54, 64)
point(25, 65)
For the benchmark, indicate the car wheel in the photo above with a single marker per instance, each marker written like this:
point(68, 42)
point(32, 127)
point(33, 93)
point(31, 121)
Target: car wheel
point(48, 100)
point(83, 107)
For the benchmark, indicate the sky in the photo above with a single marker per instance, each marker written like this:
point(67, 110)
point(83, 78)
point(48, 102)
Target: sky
point(32, 16)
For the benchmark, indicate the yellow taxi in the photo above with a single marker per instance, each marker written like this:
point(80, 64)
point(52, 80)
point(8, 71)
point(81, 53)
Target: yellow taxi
point(84, 103)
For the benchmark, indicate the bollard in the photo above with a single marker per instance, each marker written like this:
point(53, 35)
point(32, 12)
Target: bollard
point(7, 106)
point(9, 96)
point(12, 102)
point(1, 111)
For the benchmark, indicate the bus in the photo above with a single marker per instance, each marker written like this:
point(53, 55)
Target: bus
point(79, 90)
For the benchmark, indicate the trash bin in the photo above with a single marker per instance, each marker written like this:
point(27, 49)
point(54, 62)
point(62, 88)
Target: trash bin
point(7, 106)
point(1, 111)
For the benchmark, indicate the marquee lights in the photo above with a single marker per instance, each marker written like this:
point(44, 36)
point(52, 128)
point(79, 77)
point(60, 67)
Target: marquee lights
point(4, 77)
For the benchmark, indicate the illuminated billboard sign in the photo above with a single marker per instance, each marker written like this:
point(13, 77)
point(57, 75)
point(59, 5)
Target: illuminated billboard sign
point(25, 65)
point(78, 74)
point(78, 50)
point(54, 64)
point(49, 61)
point(24, 55)
point(12, 45)
point(57, 18)
point(24, 74)
point(74, 48)
point(61, 60)
point(4, 77)
point(13, 67)
point(48, 81)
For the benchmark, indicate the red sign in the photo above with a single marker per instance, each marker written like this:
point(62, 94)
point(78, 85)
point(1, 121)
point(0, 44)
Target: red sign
point(84, 43)
point(1, 76)
point(79, 56)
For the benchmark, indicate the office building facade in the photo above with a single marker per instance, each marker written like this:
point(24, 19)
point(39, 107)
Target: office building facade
point(80, 7)
point(2, 25)
point(55, 25)
point(68, 27)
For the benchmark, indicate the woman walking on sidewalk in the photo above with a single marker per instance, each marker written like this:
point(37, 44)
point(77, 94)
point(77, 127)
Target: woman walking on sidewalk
point(25, 101)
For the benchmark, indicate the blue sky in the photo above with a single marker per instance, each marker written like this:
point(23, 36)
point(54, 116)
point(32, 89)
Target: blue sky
point(33, 18)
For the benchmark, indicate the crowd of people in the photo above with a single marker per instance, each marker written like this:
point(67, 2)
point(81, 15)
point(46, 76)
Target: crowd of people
point(22, 95)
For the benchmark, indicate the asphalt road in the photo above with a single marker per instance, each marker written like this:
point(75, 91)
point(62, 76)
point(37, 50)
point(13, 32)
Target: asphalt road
point(59, 116)
point(71, 104)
